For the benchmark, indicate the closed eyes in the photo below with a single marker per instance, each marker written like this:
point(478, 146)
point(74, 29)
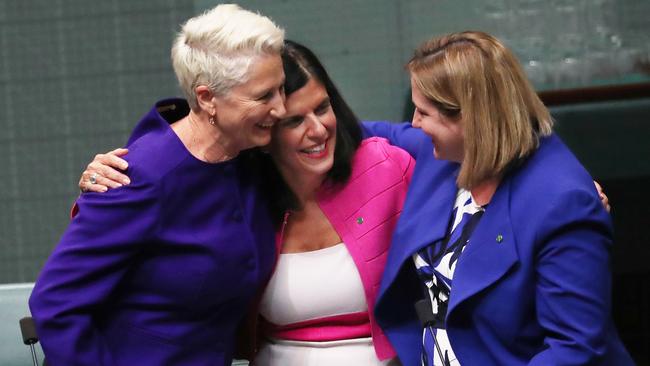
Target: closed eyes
point(321, 110)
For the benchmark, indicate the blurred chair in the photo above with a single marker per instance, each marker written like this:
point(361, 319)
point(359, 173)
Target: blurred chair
point(13, 307)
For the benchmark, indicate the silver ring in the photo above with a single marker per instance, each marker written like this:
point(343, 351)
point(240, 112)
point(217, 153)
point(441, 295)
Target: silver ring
point(93, 178)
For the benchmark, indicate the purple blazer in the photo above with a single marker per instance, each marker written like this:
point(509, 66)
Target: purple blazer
point(159, 272)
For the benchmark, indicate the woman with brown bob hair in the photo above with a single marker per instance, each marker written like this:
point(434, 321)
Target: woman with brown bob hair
point(503, 119)
point(503, 244)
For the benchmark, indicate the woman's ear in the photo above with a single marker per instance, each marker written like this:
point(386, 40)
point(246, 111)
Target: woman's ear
point(206, 100)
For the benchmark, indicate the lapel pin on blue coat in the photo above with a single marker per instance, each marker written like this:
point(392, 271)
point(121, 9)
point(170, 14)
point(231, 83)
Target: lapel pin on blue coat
point(499, 238)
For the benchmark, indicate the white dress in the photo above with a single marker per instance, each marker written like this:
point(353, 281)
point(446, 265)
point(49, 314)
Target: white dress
point(313, 285)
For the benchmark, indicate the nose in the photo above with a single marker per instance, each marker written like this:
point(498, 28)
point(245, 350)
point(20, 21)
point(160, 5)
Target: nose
point(416, 120)
point(277, 107)
point(316, 127)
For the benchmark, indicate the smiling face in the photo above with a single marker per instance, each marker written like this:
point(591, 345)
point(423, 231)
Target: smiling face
point(446, 133)
point(304, 140)
point(246, 114)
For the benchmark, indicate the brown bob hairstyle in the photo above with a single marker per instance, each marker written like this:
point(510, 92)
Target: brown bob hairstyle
point(471, 77)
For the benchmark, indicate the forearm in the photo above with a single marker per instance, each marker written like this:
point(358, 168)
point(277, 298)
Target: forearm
point(399, 134)
point(79, 279)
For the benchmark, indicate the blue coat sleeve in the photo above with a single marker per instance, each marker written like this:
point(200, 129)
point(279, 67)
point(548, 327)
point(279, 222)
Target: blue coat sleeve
point(399, 134)
point(573, 281)
point(85, 269)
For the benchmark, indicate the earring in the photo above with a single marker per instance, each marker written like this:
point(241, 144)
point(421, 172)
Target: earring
point(212, 120)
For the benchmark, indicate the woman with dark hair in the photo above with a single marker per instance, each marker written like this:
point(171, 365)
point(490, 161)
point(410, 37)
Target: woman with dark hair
point(335, 199)
point(301, 65)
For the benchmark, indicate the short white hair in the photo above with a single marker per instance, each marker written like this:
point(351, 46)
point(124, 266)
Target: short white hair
point(216, 48)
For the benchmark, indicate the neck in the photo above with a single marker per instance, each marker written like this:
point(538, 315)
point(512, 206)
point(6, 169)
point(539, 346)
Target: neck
point(483, 192)
point(305, 188)
point(204, 140)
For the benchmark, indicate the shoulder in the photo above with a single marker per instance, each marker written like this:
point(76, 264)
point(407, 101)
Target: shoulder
point(553, 189)
point(155, 151)
point(553, 170)
point(376, 166)
point(377, 151)
point(380, 146)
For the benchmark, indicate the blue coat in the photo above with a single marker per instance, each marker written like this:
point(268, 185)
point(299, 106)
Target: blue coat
point(533, 286)
point(159, 272)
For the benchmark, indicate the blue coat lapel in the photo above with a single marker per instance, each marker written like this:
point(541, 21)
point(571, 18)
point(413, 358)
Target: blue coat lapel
point(430, 207)
point(490, 253)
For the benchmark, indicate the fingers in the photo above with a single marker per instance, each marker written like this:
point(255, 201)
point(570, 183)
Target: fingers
point(598, 187)
point(605, 201)
point(112, 159)
point(120, 151)
point(102, 173)
point(83, 182)
point(603, 197)
point(100, 184)
point(95, 177)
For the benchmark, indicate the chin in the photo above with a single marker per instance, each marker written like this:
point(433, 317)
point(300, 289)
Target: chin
point(322, 169)
point(262, 141)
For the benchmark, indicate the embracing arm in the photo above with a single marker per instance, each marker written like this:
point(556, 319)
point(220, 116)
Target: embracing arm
point(82, 273)
point(573, 289)
point(399, 134)
point(107, 168)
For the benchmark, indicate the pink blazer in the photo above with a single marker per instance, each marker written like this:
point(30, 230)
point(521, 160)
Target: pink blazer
point(364, 213)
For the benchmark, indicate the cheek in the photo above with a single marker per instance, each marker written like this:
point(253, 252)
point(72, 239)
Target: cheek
point(254, 112)
point(428, 126)
point(277, 140)
point(331, 124)
point(459, 134)
point(284, 140)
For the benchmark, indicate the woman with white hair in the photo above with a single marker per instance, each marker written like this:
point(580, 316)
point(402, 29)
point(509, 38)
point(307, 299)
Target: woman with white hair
point(161, 271)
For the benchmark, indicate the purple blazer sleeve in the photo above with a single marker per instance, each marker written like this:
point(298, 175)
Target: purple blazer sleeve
point(86, 267)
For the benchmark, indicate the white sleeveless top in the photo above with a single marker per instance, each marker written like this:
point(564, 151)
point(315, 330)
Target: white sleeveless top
point(312, 285)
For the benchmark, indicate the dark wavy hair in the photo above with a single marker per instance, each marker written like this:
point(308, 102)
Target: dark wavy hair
point(300, 66)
